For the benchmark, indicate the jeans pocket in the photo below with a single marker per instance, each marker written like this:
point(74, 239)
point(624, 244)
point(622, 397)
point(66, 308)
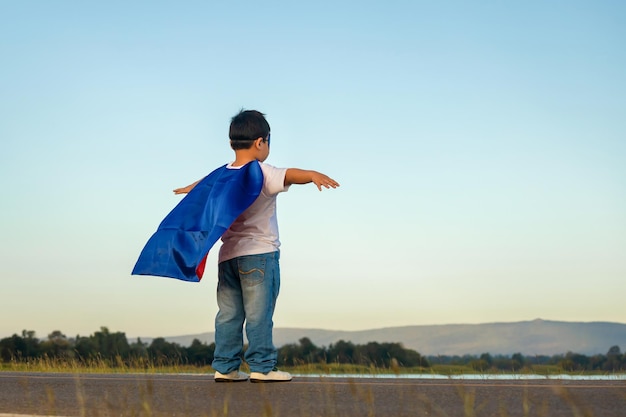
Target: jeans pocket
point(251, 270)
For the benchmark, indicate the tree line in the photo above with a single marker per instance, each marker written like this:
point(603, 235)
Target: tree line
point(613, 361)
point(115, 349)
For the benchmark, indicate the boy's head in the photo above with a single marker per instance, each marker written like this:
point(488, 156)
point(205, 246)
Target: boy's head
point(246, 127)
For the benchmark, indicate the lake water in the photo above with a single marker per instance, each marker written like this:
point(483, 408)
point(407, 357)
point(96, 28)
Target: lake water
point(484, 377)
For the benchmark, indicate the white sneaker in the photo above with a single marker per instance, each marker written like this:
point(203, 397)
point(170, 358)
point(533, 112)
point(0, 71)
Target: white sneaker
point(234, 376)
point(272, 376)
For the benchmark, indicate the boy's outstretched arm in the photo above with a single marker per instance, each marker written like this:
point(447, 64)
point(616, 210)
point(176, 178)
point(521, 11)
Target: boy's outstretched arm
point(302, 176)
point(185, 190)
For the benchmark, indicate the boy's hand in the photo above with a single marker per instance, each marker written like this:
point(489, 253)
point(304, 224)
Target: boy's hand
point(322, 180)
point(185, 190)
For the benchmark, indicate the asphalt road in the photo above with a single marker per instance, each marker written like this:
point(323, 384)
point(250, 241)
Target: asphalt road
point(193, 395)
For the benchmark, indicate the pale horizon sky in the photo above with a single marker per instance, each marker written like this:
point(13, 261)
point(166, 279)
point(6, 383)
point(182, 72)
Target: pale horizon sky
point(480, 148)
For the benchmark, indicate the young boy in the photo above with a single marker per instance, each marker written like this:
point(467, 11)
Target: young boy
point(248, 265)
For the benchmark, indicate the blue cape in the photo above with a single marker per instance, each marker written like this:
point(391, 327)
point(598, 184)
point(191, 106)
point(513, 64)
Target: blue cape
point(179, 247)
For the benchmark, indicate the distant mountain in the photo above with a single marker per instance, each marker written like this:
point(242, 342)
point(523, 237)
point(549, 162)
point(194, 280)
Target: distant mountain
point(537, 337)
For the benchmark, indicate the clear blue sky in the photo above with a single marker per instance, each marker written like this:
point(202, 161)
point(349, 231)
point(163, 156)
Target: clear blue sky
point(480, 146)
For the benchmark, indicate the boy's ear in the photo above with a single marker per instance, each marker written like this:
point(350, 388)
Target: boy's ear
point(257, 142)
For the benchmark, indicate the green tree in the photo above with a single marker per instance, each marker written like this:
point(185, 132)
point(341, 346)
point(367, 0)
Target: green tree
point(19, 347)
point(342, 352)
point(85, 348)
point(163, 352)
point(288, 355)
point(483, 363)
point(310, 353)
point(575, 362)
point(57, 346)
point(517, 361)
point(111, 345)
point(200, 353)
point(138, 349)
point(614, 360)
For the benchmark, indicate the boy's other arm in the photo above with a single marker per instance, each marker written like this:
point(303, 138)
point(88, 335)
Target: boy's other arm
point(302, 176)
point(185, 190)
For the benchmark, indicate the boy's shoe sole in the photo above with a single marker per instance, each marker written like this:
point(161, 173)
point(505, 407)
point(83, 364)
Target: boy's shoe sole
point(229, 380)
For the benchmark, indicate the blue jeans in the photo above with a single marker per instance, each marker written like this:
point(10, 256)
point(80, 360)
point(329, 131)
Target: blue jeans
point(247, 291)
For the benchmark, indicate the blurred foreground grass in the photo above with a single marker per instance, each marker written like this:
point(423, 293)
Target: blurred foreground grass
point(153, 397)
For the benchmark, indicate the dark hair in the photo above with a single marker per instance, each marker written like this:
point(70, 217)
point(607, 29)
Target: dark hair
point(246, 127)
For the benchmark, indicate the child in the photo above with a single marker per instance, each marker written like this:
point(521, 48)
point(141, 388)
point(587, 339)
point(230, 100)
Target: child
point(248, 265)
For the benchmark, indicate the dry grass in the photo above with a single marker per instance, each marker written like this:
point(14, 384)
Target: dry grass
point(143, 365)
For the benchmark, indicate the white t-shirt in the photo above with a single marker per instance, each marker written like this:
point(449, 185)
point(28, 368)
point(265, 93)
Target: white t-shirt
point(255, 231)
